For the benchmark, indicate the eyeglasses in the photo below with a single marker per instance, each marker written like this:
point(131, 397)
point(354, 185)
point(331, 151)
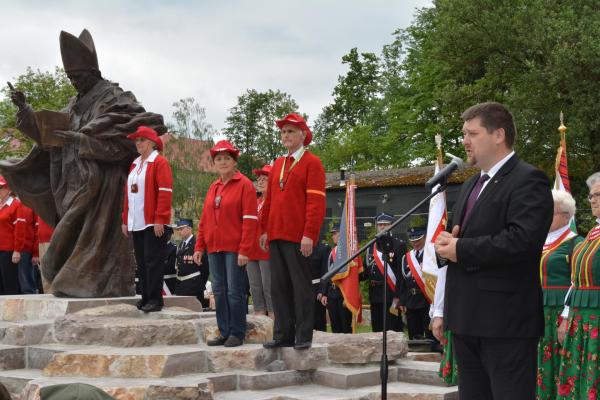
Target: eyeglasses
point(593, 196)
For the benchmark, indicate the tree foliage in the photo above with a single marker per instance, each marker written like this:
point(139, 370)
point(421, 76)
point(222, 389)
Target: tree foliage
point(190, 120)
point(537, 56)
point(251, 126)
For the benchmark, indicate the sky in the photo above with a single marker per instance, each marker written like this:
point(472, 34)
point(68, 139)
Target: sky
point(213, 51)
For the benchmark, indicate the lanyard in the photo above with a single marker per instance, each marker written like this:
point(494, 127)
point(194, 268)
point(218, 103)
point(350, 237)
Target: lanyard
point(281, 181)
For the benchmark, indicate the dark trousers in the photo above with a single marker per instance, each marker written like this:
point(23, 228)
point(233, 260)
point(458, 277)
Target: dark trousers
point(9, 276)
point(339, 315)
point(150, 256)
point(320, 323)
point(27, 279)
point(417, 321)
point(496, 368)
point(392, 322)
point(291, 292)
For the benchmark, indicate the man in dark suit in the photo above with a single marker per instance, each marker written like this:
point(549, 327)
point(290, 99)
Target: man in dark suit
point(493, 301)
point(191, 278)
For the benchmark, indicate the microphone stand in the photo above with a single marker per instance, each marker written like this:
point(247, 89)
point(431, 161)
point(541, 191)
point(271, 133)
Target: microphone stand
point(385, 243)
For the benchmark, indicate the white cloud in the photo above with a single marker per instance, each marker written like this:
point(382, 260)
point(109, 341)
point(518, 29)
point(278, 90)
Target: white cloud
point(166, 50)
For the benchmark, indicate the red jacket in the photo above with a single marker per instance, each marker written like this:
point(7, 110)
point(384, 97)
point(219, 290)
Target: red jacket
point(43, 234)
point(235, 229)
point(258, 253)
point(299, 209)
point(158, 192)
point(25, 229)
point(9, 235)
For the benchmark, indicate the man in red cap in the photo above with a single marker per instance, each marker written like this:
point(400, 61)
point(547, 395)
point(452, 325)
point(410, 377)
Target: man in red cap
point(292, 215)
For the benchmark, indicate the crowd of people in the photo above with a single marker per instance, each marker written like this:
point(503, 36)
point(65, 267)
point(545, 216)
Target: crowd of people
point(512, 268)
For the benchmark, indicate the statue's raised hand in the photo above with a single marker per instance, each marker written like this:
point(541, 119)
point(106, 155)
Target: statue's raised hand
point(16, 96)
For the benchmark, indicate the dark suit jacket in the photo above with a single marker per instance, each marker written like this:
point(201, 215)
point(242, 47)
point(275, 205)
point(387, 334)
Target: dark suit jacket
point(375, 278)
point(494, 288)
point(318, 265)
point(185, 266)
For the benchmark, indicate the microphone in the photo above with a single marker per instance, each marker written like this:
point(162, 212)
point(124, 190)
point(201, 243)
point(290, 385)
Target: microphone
point(443, 175)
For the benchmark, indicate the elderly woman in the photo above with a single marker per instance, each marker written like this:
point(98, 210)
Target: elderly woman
point(146, 211)
point(259, 272)
point(227, 230)
point(9, 241)
point(555, 273)
point(579, 373)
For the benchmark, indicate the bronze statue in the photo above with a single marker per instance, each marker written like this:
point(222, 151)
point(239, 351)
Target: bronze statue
point(75, 174)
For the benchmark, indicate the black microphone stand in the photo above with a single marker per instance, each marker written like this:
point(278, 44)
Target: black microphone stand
point(383, 240)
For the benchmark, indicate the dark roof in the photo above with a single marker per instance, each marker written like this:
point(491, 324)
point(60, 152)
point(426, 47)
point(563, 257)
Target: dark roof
point(395, 177)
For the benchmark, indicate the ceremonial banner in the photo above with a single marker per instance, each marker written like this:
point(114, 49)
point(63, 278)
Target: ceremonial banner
point(436, 223)
point(347, 280)
point(561, 169)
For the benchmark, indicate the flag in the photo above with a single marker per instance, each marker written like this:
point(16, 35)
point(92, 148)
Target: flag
point(561, 169)
point(347, 279)
point(436, 223)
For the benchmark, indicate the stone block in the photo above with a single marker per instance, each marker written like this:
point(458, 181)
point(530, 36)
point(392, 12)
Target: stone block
point(361, 348)
point(259, 328)
point(351, 377)
point(431, 357)
point(12, 357)
point(40, 355)
point(26, 333)
point(311, 358)
point(421, 372)
point(250, 357)
point(16, 380)
point(269, 380)
point(124, 331)
point(140, 362)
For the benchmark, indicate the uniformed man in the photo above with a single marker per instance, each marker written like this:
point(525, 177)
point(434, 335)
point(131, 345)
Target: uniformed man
point(375, 262)
point(170, 276)
point(411, 290)
point(332, 298)
point(191, 277)
point(318, 265)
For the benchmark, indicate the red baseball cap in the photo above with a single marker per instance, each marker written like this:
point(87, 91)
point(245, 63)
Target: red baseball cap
point(298, 121)
point(224, 145)
point(265, 170)
point(148, 133)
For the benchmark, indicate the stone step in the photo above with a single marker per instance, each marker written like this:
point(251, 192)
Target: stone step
point(24, 333)
point(46, 306)
point(39, 356)
point(12, 357)
point(396, 391)
point(423, 372)
point(428, 356)
point(15, 380)
point(351, 377)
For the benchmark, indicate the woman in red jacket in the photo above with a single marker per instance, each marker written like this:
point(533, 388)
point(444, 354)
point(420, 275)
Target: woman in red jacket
point(147, 209)
point(227, 230)
point(9, 238)
point(259, 271)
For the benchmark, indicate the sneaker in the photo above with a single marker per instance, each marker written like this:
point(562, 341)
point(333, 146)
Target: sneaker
point(233, 341)
point(218, 341)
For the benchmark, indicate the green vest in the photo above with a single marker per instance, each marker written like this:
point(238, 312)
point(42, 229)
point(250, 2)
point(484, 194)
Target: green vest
point(555, 271)
point(585, 267)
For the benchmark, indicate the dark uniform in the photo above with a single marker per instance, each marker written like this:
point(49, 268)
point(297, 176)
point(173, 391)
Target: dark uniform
point(191, 278)
point(373, 274)
point(409, 292)
point(170, 276)
point(339, 315)
point(318, 265)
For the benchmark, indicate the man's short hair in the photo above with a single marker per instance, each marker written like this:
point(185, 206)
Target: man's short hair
point(494, 116)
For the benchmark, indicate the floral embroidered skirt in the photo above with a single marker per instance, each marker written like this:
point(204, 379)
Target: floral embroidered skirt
point(548, 360)
point(448, 371)
point(579, 374)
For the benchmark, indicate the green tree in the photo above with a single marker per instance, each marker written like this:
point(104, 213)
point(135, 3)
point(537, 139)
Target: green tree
point(251, 126)
point(190, 120)
point(43, 90)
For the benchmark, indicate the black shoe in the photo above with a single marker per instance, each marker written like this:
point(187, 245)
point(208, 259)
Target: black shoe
point(233, 341)
point(140, 304)
point(218, 341)
point(273, 344)
point(302, 345)
point(148, 308)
